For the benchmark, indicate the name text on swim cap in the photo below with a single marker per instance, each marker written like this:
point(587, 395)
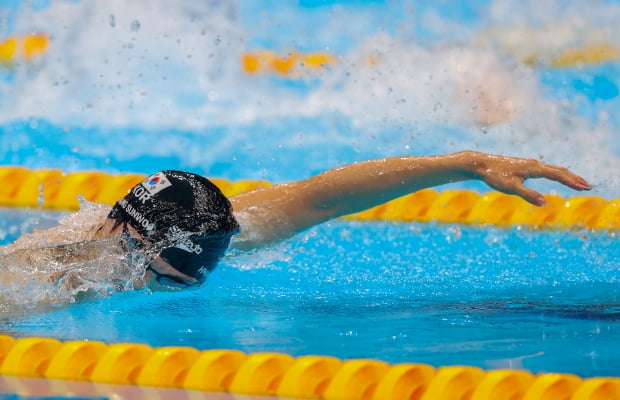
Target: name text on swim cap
point(136, 215)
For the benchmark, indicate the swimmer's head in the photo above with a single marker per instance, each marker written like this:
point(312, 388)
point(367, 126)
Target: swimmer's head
point(183, 214)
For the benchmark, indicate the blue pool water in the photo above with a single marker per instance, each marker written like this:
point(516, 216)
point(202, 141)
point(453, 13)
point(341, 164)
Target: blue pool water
point(125, 89)
point(441, 295)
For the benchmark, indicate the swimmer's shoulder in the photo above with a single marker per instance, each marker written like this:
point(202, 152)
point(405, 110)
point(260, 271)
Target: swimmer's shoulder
point(261, 222)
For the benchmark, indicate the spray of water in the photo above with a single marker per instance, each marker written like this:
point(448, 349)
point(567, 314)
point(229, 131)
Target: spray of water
point(412, 80)
point(42, 269)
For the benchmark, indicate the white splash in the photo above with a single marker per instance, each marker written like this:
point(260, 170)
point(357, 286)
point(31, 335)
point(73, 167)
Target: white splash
point(175, 64)
point(40, 270)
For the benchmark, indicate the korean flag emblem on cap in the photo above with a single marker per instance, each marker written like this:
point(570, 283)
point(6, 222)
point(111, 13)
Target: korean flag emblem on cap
point(156, 183)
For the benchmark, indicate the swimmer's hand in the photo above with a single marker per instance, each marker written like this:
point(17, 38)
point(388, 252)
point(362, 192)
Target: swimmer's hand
point(277, 212)
point(507, 174)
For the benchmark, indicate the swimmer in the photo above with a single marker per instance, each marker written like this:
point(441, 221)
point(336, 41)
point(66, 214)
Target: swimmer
point(183, 225)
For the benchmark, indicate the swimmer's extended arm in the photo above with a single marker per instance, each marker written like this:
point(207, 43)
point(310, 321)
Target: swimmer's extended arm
point(363, 185)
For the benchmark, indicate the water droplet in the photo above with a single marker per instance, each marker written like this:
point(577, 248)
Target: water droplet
point(112, 20)
point(135, 25)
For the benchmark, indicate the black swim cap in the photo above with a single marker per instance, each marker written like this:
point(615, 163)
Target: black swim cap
point(185, 214)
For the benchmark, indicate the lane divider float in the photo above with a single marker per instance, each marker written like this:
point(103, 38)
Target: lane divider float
point(25, 47)
point(57, 190)
point(587, 55)
point(293, 64)
point(297, 64)
point(277, 374)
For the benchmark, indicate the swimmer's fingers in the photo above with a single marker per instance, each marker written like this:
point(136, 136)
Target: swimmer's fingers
point(530, 195)
point(558, 174)
point(514, 185)
point(512, 182)
point(507, 175)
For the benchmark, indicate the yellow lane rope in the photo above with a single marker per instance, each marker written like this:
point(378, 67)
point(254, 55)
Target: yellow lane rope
point(277, 374)
point(25, 47)
point(295, 64)
point(54, 189)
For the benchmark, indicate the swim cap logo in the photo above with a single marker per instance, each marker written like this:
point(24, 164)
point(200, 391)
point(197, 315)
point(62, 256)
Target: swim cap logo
point(156, 183)
point(180, 239)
